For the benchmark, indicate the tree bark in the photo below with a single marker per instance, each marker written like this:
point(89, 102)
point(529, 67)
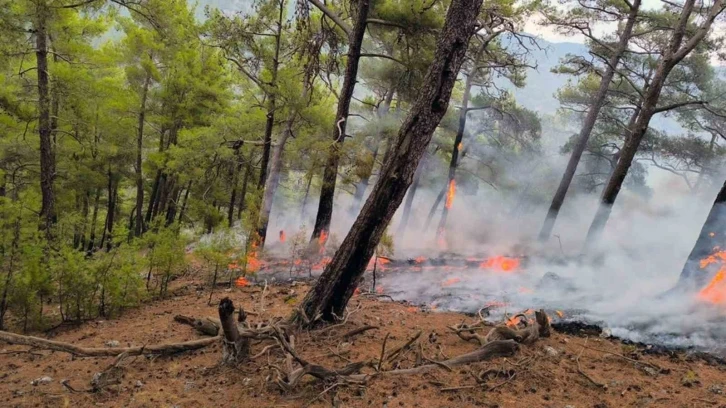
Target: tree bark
point(332, 291)
point(711, 238)
point(272, 98)
point(184, 202)
point(153, 198)
point(330, 173)
point(596, 104)
point(139, 225)
point(245, 181)
point(233, 195)
point(673, 55)
point(236, 348)
point(94, 218)
point(47, 159)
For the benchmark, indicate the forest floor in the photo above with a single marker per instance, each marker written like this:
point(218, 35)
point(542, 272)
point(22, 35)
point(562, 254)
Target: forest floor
point(560, 371)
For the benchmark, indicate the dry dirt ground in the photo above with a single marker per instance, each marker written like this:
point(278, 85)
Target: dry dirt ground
point(545, 374)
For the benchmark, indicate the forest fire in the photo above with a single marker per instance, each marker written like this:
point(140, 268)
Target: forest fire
point(501, 263)
point(282, 236)
point(715, 291)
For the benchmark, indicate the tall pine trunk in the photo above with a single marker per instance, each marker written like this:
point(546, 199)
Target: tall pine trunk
point(47, 159)
point(236, 168)
point(242, 204)
point(139, 225)
point(272, 101)
point(596, 104)
point(332, 291)
point(330, 173)
point(184, 202)
point(94, 219)
point(673, 55)
point(273, 181)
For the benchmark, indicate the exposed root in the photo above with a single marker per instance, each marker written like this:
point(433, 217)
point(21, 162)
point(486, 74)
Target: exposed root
point(161, 349)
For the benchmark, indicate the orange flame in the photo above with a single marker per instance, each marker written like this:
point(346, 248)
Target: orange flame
point(513, 321)
point(501, 263)
point(253, 263)
point(450, 194)
point(450, 281)
point(241, 282)
point(420, 259)
point(322, 239)
point(460, 146)
point(560, 313)
point(715, 291)
point(282, 236)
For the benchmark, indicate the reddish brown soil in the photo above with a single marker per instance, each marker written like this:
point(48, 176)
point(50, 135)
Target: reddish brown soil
point(194, 379)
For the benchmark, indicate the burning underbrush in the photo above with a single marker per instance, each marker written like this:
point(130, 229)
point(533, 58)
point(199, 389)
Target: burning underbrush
point(603, 293)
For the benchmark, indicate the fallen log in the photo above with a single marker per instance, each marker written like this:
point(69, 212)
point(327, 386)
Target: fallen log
point(162, 349)
point(207, 327)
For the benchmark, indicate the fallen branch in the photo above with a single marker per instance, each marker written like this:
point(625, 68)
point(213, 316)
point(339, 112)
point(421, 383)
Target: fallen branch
point(393, 354)
point(207, 327)
point(163, 349)
point(357, 331)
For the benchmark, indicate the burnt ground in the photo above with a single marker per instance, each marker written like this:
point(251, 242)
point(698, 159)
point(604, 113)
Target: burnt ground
point(546, 374)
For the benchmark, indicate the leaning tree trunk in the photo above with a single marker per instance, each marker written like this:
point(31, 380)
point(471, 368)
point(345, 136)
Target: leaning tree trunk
point(712, 238)
point(271, 104)
point(139, 225)
point(596, 104)
point(330, 295)
point(450, 181)
point(674, 54)
point(330, 173)
point(47, 159)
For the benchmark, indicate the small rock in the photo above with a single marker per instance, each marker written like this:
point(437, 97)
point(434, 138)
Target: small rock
point(189, 385)
point(551, 352)
point(716, 389)
point(112, 343)
point(650, 371)
point(606, 333)
point(569, 406)
point(42, 381)
point(139, 384)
